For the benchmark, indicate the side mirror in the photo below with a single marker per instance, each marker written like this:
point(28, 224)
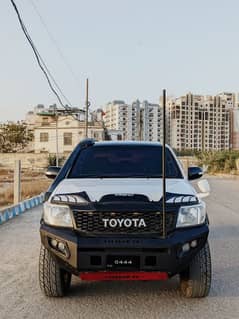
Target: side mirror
point(52, 171)
point(194, 172)
point(204, 187)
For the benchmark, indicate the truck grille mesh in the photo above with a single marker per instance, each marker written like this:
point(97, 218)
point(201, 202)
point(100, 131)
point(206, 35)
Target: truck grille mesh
point(92, 222)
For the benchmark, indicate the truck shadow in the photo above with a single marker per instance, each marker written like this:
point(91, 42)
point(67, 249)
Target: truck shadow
point(118, 288)
point(225, 284)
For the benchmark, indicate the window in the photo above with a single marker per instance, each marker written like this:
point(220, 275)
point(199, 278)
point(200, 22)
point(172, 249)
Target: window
point(96, 135)
point(119, 137)
point(44, 137)
point(124, 161)
point(45, 121)
point(67, 138)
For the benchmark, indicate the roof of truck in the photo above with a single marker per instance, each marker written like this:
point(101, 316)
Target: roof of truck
point(141, 143)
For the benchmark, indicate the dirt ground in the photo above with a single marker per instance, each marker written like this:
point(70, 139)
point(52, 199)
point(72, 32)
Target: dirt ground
point(32, 183)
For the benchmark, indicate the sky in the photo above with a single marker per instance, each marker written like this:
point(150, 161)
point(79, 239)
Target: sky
point(128, 49)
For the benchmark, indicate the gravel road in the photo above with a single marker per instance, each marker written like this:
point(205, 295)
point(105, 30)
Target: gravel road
point(20, 296)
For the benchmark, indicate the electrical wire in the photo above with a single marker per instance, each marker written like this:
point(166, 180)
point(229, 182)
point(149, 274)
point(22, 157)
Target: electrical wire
point(54, 81)
point(54, 42)
point(39, 59)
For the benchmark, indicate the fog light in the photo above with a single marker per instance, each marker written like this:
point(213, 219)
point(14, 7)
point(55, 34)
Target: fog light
point(59, 246)
point(62, 247)
point(186, 247)
point(194, 244)
point(54, 243)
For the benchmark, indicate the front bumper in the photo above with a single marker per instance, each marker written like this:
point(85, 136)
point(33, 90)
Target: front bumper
point(87, 254)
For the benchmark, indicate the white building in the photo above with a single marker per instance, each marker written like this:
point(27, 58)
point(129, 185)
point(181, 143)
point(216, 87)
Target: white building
point(114, 135)
point(117, 117)
point(151, 122)
point(66, 133)
point(137, 121)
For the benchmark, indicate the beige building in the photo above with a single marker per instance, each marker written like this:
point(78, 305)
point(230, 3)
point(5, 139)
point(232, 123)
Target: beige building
point(68, 131)
point(200, 122)
point(235, 129)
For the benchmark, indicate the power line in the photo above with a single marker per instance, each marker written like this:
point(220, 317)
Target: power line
point(51, 37)
point(56, 84)
point(39, 59)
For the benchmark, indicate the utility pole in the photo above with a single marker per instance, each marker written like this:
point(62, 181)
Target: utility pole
point(17, 182)
point(57, 142)
point(87, 104)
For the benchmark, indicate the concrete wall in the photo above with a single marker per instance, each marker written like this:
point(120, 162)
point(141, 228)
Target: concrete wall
point(237, 164)
point(28, 160)
point(187, 161)
point(13, 211)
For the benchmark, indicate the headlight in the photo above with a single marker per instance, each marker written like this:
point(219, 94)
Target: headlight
point(191, 215)
point(57, 215)
point(68, 198)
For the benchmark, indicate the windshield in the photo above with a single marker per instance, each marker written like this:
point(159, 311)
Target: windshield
point(124, 161)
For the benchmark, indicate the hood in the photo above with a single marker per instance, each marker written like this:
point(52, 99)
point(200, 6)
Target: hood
point(97, 188)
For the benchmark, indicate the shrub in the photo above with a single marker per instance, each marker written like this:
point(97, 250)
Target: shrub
point(219, 161)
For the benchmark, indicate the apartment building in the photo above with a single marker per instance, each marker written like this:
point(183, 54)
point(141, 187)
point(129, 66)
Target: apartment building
point(137, 121)
point(235, 128)
point(116, 117)
point(133, 125)
point(151, 122)
point(124, 118)
point(200, 122)
point(63, 132)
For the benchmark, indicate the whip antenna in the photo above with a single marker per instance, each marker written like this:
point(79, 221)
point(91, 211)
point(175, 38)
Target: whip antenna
point(164, 165)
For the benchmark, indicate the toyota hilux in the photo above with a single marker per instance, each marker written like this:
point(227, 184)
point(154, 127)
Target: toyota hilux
point(103, 219)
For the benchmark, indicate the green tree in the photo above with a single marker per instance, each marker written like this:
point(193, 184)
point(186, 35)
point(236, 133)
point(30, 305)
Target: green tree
point(14, 137)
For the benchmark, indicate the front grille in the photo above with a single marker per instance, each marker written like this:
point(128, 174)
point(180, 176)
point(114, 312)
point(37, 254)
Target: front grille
point(92, 222)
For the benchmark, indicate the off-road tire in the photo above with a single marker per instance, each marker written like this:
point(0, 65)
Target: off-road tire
point(54, 281)
point(195, 282)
